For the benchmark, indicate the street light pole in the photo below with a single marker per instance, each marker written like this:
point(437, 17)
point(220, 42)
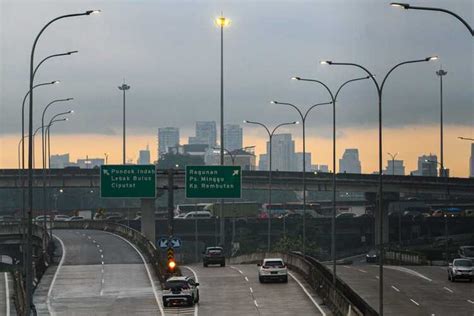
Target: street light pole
point(270, 137)
point(440, 73)
point(303, 121)
point(407, 6)
point(334, 189)
point(380, 189)
point(222, 22)
point(124, 87)
point(29, 257)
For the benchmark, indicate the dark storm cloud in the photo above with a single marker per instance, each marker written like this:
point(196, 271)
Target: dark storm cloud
point(168, 51)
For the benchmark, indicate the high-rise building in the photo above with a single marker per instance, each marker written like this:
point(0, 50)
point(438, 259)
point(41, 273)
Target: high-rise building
point(427, 166)
point(205, 134)
point(242, 158)
point(263, 162)
point(298, 165)
point(59, 161)
point(232, 137)
point(319, 168)
point(395, 167)
point(144, 156)
point(90, 163)
point(167, 137)
point(350, 162)
point(283, 152)
point(471, 162)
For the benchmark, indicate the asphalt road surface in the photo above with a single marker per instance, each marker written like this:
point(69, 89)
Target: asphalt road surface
point(99, 274)
point(411, 290)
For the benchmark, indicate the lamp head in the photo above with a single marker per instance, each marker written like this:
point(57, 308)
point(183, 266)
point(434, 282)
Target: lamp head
point(55, 82)
point(222, 21)
point(325, 62)
point(431, 58)
point(93, 12)
point(405, 6)
point(296, 122)
point(274, 102)
point(69, 99)
point(71, 112)
point(295, 78)
point(73, 52)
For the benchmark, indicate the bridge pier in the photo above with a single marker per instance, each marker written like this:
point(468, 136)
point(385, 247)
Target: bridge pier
point(387, 198)
point(148, 219)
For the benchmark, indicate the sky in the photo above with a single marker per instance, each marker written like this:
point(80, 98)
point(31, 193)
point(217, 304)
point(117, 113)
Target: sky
point(169, 53)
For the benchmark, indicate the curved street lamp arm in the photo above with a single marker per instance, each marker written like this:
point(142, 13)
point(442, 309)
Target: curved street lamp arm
point(313, 106)
point(407, 6)
point(49, 104)
point(358, 66)
point(52, 56)
point(280, 125)
point(348, 81)
point(293, 106)
point(398, 65)
point(261, 124)
point(59, 114)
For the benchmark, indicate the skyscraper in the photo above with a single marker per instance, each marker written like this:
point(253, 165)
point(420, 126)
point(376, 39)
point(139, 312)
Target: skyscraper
point(283, 152)
point(298, 165)
point(427, 166)
point(395, 167)
point(167, 137)
point(59, 161)
point(350, 161)
point(205, 134)
point(471, 162)
point(144, 157)
point(232, 137)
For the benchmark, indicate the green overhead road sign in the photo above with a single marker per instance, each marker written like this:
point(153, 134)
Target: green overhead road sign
point(128, 181)
point(213, 182)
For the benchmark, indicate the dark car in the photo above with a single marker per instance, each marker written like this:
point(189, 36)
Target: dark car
point(371, 256)
point(213, 255)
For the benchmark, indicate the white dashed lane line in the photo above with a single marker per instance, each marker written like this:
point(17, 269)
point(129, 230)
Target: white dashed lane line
point(393, 287)
point(255, 302)
point(363, 271)
point(448, 289)
point(246, 279)
point(472, 302)
point(415, 302)
point(251, 290)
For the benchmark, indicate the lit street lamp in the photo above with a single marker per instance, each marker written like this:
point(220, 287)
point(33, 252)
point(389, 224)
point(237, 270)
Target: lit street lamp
point(407, 6)
point(270, 137)
point(222, 22)
point(379, 88)
point(124, 87)
point(303, 120)
point(29, 257)
point(333, 218)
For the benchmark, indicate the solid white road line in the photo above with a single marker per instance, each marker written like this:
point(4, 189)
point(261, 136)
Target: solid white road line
point(449, 290)
point(61, 262)
point(395, 289)
point(196, 309)
point(158, 301)
point(472, 302)
point(415, 302)
point(307, 294)
point(7, 294)
point(409, 271)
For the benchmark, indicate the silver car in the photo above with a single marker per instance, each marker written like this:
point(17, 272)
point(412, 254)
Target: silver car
point(460, 269)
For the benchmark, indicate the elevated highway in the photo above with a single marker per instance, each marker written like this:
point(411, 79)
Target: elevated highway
point(255, 180)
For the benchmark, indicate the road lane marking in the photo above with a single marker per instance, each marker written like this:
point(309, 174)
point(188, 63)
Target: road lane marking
point(7, 294)
point(98, 246)
point(449, 290)
point(237, 269)
point(196, 310)
point(363, 271)
point(409, 271)
point(415, 302)
point(251, 290)
point(158, 301)
point(307, 294)
point(377, 277)
point(102, 262)
point(395, 289)
point(88, 237)
point(102, 256)
point(255, 302)
point(100, 250)
point(246, 279)
point(472, 302)
point(61, 262)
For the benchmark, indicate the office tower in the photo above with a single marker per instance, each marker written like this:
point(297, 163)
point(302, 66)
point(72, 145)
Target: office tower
point(144, 156)
point(350, 161)
point(205, 134)
point(298, 165)
point(232, 137)
point(59, 161)
point(167, 137)
point(283, 152)
point(395, 167)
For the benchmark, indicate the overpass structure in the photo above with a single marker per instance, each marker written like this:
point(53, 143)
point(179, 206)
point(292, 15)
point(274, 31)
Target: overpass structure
point(11, 240)
point(258, 180)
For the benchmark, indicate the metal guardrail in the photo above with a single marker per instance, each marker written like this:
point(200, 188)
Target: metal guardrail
point(341, 299)
point(404, 257)
point(153, 254)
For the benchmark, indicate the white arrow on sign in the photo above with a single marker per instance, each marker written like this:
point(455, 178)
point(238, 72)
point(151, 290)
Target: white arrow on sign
point(236, 172)
point(163, 243)
point(175, 243)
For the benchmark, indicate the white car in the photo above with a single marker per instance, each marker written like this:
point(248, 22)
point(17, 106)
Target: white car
point(61, 218)
point(195, 215)
point(272, 269)
point(180, 290)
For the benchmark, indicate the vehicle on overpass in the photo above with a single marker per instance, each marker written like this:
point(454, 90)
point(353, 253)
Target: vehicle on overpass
point(180, 290)
point(460, 269)
point(61, 218)
point(234, 209)
point(466, 252)
point(213, 255)
point(195, 215)
point(76, 219)
point(272, 269)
